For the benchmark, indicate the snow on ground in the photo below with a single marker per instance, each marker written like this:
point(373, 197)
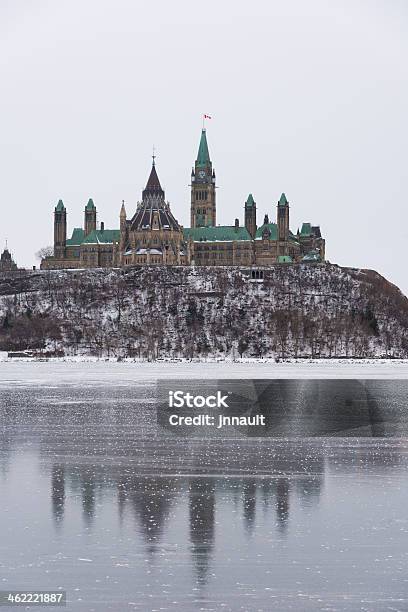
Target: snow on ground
point(113, 372)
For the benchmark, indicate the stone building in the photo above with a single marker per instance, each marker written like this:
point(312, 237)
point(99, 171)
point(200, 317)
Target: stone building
point(88, 247)
point(7, 264)
point(247, 244)
point(153, 236)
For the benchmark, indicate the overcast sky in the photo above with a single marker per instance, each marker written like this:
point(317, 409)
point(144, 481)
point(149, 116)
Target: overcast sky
point(309, 98)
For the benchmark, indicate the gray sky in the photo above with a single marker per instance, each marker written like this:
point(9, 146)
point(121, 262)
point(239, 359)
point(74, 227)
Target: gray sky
point(310, 98)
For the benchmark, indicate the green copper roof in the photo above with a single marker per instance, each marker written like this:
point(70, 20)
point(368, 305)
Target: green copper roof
point(220, 233)
point(272, 227)
point(95, 237)
point(283, 200)
point(90, 205)
point(306, 229)
point(60, 205)
point(285, 259)
point(106, 236)
point(77, 237)
point(250, 201)
point(203, 157)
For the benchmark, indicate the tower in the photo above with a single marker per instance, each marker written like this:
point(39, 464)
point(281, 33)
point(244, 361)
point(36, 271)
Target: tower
point(203, 207)
point(90, 217)
point(250, 216)
point(283, 219)
point(60, 230)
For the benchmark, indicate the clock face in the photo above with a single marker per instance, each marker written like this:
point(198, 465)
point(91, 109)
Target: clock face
point(201, 174)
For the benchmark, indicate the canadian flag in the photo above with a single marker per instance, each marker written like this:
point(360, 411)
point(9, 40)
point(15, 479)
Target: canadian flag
point(207, 117)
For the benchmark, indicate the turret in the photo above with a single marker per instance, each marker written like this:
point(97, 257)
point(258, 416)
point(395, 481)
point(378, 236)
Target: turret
point(60, 230)
point(250, 216)
point(123, 217)
point(89, 217)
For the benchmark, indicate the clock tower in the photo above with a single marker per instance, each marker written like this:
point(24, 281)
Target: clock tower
point(203, 208)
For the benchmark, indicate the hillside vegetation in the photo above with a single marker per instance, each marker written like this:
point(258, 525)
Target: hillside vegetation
point(297, 311)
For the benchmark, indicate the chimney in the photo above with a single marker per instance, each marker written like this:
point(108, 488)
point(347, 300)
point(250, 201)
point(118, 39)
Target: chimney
point(236, 224)
point(102, 226)
point(266, 220)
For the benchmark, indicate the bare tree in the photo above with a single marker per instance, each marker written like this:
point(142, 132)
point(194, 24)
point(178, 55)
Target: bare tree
point(46, 251)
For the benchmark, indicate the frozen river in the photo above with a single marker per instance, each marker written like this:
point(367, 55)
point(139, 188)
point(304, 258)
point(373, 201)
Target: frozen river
point(95, 501)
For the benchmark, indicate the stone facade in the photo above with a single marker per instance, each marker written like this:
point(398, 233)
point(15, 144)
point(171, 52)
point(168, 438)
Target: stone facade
point(153, 236)
point(7, 264)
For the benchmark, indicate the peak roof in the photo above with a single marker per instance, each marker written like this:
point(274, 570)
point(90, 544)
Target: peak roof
point(153, 186)
point(283, 200)
point(250, 200)
point(60, 205)
point(203, 156)
point(90, 205)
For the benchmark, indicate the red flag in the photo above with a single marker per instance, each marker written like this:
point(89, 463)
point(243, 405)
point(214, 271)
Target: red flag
point(207, 117)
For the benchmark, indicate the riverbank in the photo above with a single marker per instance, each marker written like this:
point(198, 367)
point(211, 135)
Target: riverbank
point(129, 371)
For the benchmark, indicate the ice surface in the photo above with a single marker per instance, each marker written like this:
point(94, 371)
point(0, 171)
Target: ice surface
point(94, 503)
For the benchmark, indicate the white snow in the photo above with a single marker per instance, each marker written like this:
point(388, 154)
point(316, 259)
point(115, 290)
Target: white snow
point(94, 371)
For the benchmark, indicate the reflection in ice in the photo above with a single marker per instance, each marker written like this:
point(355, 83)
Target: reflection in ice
point(93, 502)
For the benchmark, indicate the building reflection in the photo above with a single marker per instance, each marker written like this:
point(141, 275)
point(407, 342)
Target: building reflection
point(296, 473)
point(88, 489)
point(155, 502)
point(249, 493)
point(282, 504)
point(197, 490)
point(201, 502)
point(150, 499)
point(58, 493)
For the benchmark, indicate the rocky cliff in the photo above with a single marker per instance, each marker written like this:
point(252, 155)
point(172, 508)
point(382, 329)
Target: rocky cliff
point(294, 311)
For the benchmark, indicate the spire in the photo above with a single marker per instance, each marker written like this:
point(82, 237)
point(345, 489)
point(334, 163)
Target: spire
point(283, 201)
point(203, 157)
point(250, 201)
point(153, 186)
point(90, 205)
point(123, 209)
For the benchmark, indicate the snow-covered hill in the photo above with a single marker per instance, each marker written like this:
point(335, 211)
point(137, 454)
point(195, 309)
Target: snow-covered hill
point(296, 311)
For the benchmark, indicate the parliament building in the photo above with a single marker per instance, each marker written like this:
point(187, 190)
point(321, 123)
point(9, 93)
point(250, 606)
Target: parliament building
point(153, 236)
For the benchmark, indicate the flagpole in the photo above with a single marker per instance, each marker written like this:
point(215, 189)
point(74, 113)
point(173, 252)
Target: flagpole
point(205, 116)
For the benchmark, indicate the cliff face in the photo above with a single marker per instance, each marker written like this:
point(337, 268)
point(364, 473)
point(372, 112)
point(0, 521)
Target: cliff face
point(296, 311)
